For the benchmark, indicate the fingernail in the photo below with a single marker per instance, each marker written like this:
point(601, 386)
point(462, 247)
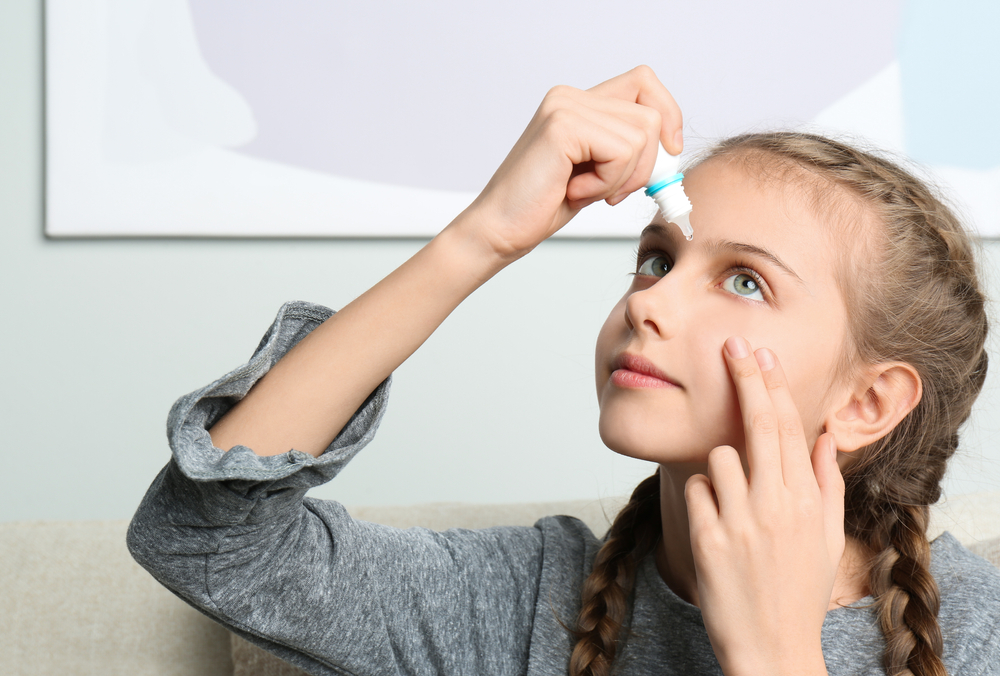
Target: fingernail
point(679, 141)
point(765, 358)
point(737, 347)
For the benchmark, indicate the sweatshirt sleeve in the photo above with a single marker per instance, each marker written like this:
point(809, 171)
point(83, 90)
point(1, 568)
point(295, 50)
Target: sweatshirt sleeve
point(233, 534)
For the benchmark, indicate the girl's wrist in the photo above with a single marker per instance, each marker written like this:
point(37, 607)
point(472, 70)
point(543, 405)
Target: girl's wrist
point(462, 259)
point(475, 246)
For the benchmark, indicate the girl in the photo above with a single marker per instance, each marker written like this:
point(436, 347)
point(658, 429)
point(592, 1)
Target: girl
point(748, 552)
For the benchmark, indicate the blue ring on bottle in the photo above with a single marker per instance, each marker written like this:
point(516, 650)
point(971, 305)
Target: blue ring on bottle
point(657, 187)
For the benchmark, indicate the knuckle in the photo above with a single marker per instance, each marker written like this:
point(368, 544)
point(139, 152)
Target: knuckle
point(555, 100)
point(560, 92)
point(774, 384)
point(748, 536)
point(644, 72)
point(763, 422)
point(556, 122)
point(637, 138)
point(745, 371)
point(653, 123)
point(770, 528)
point(623, 148)
point(652, 120)
point(776, 521)
point(790, 427)
point(558, 115)
point(808, 507)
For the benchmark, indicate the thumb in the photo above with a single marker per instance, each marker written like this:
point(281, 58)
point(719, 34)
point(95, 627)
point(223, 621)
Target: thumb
point(831, 487)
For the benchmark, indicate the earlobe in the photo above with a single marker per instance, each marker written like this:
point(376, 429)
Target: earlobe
point(884, 395)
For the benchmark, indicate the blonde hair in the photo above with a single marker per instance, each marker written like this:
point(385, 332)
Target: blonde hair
point(913, 297)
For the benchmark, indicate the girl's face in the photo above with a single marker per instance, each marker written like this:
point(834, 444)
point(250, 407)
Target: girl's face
point(762, 266)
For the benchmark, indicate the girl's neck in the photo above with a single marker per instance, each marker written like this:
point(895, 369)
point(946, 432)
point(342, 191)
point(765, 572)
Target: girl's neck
point(675, 560)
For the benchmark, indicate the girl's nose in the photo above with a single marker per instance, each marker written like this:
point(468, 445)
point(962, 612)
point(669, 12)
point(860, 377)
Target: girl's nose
point(651, 311)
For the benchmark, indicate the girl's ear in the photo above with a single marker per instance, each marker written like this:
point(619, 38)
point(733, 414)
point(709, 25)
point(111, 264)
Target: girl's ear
point(883, 397)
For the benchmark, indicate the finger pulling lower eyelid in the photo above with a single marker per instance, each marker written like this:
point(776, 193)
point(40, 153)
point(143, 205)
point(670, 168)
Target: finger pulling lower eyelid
point(737, 347)
point(765, 358)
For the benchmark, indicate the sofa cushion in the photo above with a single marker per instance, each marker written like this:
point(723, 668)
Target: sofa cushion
point(74, 602)
point(249, 660)
point(989, 550)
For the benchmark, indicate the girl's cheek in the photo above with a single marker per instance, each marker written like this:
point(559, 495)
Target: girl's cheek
point(722, 322)
point(613, 325)
point(611, 333)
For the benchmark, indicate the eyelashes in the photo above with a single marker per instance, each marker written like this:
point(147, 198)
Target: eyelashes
point(737, 266)
point(747, 288)
point(645, 252)
point(744, 269)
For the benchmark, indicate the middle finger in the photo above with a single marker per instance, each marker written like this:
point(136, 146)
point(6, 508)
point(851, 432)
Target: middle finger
point(796, 465)
point(760, 421)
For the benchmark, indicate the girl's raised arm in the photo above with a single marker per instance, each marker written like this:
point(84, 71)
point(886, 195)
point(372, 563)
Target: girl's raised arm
point(580, 147)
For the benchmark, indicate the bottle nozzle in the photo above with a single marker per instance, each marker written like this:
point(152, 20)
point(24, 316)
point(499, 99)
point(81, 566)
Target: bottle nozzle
point(684, 223)
point(667, 190)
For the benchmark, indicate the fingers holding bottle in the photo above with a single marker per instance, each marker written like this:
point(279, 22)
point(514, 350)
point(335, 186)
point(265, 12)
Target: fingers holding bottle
point(581, 146)
point(641, 87)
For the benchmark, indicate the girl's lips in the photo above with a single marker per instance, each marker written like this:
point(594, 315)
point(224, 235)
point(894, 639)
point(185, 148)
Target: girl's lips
point(631, 370)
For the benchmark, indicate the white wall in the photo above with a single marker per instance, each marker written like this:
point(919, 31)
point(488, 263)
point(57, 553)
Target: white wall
point(99, 337)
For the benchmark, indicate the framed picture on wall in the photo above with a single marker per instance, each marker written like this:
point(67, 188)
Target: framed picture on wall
point(289, 118)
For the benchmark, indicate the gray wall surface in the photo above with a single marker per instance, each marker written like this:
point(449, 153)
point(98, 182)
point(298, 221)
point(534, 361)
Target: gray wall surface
point(100, 337)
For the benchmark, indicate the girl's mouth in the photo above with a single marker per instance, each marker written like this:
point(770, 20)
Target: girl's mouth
point(634, 371)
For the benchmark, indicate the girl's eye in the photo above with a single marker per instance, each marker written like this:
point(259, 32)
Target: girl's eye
point(743, 285)
point(657, 266)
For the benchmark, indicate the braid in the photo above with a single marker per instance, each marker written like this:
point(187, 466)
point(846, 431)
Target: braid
point(907, 598)
point(914, 297)
point(606, 592)
point(911, 285)
point(889, 515)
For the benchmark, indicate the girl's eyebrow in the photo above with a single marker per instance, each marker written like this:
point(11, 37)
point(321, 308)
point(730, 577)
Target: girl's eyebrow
point(717, 246)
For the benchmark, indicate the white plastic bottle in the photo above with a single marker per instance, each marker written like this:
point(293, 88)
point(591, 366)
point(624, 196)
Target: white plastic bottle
point(667, 190)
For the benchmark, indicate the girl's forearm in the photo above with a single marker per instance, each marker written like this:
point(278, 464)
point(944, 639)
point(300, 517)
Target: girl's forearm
point(312, 392)
point(580, 147)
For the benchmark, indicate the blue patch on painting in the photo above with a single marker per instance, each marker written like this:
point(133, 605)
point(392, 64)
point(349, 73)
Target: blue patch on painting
point(949, 61)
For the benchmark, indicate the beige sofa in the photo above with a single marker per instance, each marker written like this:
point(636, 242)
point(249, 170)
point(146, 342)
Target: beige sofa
point(72, 601)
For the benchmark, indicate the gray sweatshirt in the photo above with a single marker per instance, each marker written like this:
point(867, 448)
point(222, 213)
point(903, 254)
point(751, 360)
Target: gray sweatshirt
point(234, 535)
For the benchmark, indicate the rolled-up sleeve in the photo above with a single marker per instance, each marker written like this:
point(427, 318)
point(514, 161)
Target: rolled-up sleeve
point(233, 534)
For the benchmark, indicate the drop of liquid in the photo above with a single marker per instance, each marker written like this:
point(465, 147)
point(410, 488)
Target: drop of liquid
point(684, 223)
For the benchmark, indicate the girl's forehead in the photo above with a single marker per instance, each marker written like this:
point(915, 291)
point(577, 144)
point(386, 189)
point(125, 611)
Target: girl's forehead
point(779, 215)
point(767, 183)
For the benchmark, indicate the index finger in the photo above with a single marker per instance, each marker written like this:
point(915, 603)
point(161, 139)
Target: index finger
point(641, 86)
point(760, 419)
point(796, 461)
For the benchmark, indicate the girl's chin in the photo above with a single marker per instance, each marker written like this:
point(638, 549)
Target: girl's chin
point(661, 434)
point(628, 443)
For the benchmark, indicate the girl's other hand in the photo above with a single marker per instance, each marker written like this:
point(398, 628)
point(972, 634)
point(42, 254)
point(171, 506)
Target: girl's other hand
point(580, 147)
point(767, 547)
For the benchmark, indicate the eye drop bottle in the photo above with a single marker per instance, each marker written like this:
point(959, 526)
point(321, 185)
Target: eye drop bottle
point(667, 191)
